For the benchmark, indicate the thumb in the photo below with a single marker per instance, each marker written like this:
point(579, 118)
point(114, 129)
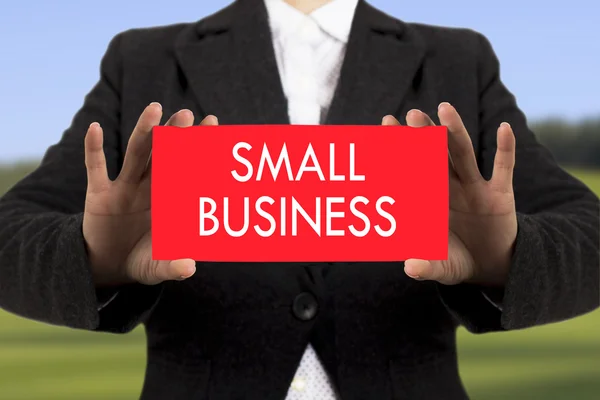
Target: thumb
point(176, 270)
point(423, 270)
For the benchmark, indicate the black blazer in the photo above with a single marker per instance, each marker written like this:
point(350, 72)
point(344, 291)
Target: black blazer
point(238, 330)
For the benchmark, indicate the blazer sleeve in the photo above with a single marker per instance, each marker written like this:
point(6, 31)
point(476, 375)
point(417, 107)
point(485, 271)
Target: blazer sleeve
point(44, 268)
point(555, 268)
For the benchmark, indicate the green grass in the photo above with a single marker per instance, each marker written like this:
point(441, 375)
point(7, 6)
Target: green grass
point(554, 362)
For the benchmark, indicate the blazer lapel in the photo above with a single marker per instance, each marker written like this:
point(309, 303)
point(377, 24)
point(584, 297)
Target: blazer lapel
point(229, 63)
point(383, 56)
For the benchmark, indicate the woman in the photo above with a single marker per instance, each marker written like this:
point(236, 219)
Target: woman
point(75, 235)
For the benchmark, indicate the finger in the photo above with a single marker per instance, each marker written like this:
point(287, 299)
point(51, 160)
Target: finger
point(504, 161)
point(460, 146)
point(95, 159)
point(182, 119)
point(418, 119)
point(140, 145)
point(210, 120)
point(175, 270)
point(389, 120)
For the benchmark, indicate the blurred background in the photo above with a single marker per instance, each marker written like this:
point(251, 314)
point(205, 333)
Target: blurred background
point(50, 57)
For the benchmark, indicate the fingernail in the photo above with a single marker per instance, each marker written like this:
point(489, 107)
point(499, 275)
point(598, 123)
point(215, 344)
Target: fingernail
point(411, 275)
point(443, 103)
point(506, 124)
point(154, 103)
point(190, 271)
point(414, 110)
point(94, 124)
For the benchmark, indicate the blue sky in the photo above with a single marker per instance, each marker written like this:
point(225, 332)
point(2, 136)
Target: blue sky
point(549, 53)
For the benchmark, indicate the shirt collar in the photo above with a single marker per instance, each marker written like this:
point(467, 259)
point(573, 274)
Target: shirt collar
point(335, 18)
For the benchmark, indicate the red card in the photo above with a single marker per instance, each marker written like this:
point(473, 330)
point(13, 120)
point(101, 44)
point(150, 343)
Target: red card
point(266, 193)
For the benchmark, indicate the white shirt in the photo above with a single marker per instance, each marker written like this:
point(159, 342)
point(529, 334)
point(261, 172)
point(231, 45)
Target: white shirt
point(309, 50)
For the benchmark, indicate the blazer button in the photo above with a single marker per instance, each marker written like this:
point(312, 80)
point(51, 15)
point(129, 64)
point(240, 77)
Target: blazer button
point(305, 306)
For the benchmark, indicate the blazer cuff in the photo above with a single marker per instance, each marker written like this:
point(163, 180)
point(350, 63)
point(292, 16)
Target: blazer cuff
point(471, 307)
point(494, 296)
point(128, 307)
point(482, 309)
point(116, 310)
point(105, 296)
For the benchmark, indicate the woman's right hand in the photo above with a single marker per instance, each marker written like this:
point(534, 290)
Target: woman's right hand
point(116, 221)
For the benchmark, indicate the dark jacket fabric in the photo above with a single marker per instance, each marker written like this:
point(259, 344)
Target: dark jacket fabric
point(233, 330)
